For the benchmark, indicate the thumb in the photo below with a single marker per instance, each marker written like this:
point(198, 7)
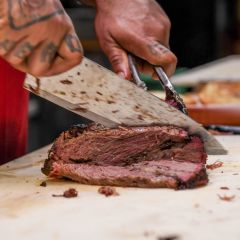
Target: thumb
point(119, 60)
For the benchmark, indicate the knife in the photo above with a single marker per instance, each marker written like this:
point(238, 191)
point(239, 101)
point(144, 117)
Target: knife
point(224, 128)
point(100, 95)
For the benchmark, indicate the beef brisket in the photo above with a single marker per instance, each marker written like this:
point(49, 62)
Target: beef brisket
point(148, 156)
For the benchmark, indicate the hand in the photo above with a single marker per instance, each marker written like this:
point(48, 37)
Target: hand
point(37, 36)
point(140, 27)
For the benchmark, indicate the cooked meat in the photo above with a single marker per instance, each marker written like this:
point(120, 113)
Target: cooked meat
point(108, 191)
point(43, 184)
point(70, 193)
point(148, 156)
point(215, 165)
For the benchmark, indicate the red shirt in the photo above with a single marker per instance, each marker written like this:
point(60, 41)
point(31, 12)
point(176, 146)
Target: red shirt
point(13, 113)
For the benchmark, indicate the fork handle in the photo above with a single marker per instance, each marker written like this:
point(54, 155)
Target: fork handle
point(135, 73)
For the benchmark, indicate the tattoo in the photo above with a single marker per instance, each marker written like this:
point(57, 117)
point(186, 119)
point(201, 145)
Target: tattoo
point(32, 4)
point(24, 50)
point(6, 45)
point(49, 53)
point(25, 13)
point(157, 48)
point(73, 43)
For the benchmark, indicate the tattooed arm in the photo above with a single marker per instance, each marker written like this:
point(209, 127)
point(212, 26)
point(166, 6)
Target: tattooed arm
point(37, 36)
point(140, 27)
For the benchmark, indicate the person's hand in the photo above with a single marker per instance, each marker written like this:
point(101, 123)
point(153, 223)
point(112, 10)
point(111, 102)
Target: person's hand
point(37, 36)
point(140, 27)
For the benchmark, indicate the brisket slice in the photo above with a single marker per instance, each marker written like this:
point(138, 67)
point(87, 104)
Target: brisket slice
point(148, 156)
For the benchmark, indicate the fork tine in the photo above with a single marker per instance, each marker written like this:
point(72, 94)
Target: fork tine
point(171, 94)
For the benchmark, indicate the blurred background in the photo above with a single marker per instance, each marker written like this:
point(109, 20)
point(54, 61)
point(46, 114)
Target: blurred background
point(202, 31)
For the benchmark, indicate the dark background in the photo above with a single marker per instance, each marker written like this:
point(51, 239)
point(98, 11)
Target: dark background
point(202, 31)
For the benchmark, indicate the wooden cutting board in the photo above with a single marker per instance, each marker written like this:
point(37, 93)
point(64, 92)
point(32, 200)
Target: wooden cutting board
point(28, 211)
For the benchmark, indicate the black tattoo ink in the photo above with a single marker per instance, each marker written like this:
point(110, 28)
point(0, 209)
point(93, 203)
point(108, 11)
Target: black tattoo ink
point(49, 53)
point(6, 45)
point(23, 13)
point(157, 48)
point(73, 43)
point(24, 50)
point(32, 4)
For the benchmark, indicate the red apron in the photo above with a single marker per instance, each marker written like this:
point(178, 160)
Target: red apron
point(13, 113)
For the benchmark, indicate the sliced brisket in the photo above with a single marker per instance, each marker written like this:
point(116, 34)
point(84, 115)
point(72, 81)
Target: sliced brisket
point(151, 156)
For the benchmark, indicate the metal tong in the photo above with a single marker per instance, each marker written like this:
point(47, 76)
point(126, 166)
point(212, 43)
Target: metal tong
point(172, 97)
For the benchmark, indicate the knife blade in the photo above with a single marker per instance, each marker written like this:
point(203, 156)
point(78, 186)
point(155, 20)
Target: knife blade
point(100, 95)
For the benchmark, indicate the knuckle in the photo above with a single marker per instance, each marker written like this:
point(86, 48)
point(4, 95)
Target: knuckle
point(167, 23)
point(5, 46)
point(2, 53)
point(3, 23)
point(38, 71)
point(77, 58)
point(13, 60)
point(163, 30)
point(115, 59)
point(172, 58)
point(61, 23)
point(64, 22)
point(16, 61)
point(164, 27)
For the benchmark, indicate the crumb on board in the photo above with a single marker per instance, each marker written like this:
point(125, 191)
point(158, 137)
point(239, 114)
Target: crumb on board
point(148, 233)
point(66, 81)
point(215, 165)
point(169, 237)
point(108, 191)
point(43, 184)
point(196, 205)
point(224, 188)
point(70, 193)
point(226, 198)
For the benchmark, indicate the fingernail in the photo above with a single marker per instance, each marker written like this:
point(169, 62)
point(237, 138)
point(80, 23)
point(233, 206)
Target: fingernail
point(121, 74)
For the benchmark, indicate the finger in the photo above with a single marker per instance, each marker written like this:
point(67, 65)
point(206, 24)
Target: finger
point(6, 45)
point(117, 57)
point(166, 59)
point(19, 54)
point(147, 69)
point(70, 53)
point(149, 50)
point(119, 61)
point(42, 57)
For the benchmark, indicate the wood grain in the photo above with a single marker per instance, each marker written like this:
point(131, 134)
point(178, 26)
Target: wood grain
point(28, 211)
